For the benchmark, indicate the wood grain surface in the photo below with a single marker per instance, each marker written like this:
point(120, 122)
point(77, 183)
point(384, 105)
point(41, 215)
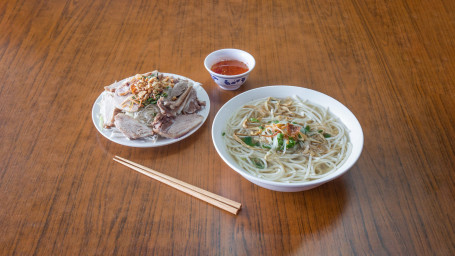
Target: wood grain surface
point(392, 63)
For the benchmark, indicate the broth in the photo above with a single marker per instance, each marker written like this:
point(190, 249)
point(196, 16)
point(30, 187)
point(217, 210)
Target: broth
point(229, 67)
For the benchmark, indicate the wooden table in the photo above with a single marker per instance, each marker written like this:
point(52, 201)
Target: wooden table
point(390, 62)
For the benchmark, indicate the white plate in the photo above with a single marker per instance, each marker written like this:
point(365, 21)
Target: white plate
point(335, 107)
point(143, 143)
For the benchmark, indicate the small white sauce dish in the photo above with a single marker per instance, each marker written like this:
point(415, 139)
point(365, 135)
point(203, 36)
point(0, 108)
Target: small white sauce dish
point(229, 82)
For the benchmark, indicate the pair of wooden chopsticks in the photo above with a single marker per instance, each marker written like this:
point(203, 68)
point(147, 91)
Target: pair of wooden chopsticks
point(209, 197)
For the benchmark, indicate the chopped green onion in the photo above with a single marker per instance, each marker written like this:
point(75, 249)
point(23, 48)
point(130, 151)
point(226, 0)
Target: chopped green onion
point(222, 134)
point(291, 143)
point(307, 129)
point(249, 141)
point(280, 140)
point(327, 135)
point(259, 164)
point(254, 120)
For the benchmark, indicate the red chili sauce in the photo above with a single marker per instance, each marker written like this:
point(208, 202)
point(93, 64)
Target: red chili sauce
point(229, 67)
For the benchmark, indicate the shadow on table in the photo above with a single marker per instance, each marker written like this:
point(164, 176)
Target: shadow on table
point(293, 215)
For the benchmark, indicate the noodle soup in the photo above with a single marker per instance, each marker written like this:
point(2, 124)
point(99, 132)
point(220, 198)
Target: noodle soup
point(286, 140)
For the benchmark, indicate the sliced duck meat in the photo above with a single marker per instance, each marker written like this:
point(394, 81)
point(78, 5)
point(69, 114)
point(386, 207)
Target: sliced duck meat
point(123, 96)
point(131, 128)
point(108, 110)
point(186, 103)
point(153, 73)
point(124, 103)
point(171, 107)
point(178, 89)
point(175, 127)
point(161, 122)
point(123, 89)
point(192, 104)
point(113, 87)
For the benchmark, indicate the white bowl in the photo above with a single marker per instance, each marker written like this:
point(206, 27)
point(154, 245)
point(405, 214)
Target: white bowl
point(336, 108)
point(224, 81)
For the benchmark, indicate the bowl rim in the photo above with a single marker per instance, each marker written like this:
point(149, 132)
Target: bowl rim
point(230, 76)
point(354, 156)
